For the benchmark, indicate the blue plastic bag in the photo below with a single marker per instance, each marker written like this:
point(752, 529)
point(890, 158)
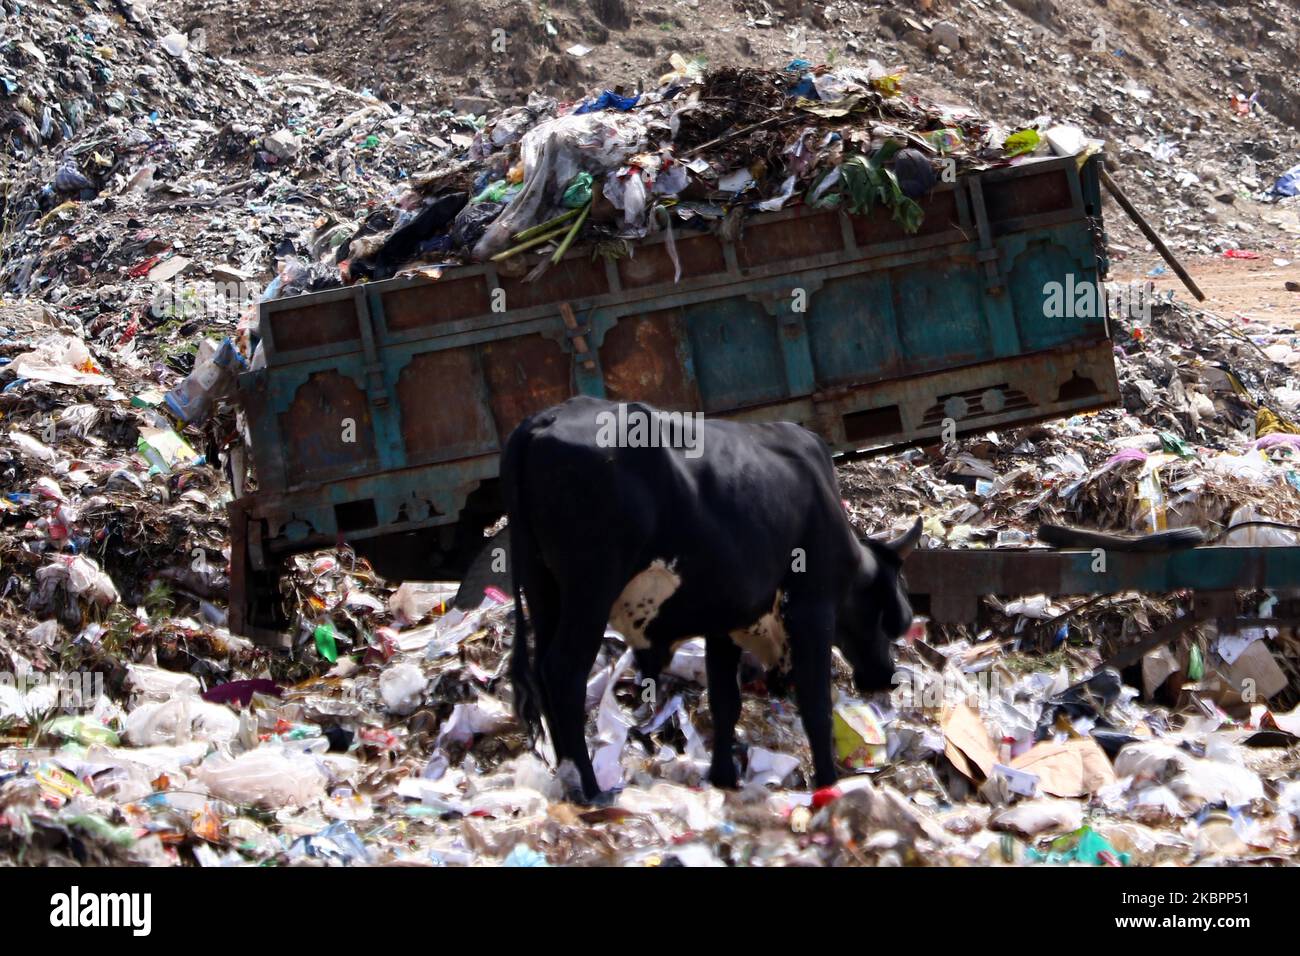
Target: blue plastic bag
point(1288, 184)
point(609, 100)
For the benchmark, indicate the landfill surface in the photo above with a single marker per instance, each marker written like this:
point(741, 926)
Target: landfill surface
point(163, 176)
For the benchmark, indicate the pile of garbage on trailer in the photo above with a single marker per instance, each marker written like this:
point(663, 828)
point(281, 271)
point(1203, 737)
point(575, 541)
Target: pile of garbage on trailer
point(135, 728)
point(705, 147)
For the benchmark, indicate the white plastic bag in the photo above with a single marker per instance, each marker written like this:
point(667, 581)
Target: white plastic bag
point(553, 153)
point(180, 720)
point(268, 776)
point(154, 683)
point(402, 688)
point(1197, 781)
point(82, 577)
point(59, 359)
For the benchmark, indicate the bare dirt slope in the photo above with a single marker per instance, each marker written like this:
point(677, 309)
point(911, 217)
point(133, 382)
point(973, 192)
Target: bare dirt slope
point(1156, 78)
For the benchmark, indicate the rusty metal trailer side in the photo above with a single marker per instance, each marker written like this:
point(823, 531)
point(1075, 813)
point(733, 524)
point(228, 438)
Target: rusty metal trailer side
point(382, 409)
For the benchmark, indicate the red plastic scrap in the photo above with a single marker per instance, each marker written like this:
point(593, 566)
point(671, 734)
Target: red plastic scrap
point(142, 268)
point(825, 795)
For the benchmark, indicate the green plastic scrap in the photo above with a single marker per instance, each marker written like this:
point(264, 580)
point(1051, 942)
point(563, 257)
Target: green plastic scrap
point(1025, 141)
point(325, 643)
point(83, 731)
point(97, 826)
point(578, 193)
point(498, 191)
point(1195, 663)
point(1175, 446)
point(1084, 845)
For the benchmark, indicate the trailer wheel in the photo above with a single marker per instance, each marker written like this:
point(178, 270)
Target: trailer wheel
point(490, 567)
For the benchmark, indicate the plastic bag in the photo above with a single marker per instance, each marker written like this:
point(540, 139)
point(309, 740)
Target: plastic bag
point(215, 370)
point(415, 599)
point(578, 193)
point(1288, 184)
point(402, 687)
point(1256, 536)
point(82, 577)
point(483, 716)
point(472, 221)
point(1017, 144)
point(554, 152)
point(612, 726)
point(1196, 780)
point(268, 777)
point(62, 359)
point(180, 720)
point(1037, 816)
point(608, 100)
point(154, 683)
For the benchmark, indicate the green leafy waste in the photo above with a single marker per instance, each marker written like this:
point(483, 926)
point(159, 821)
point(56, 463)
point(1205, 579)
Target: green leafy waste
point(1025, 141)
point(866, 184)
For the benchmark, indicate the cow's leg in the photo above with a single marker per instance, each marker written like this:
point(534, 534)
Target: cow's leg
point(543, 595)
point(564, 671)
point(721, 660)
point(811, 629)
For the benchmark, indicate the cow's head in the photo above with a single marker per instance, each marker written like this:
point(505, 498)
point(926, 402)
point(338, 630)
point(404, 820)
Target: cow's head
point(876, 611)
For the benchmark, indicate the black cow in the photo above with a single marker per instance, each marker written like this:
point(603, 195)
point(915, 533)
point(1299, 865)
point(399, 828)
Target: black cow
point(736, 533)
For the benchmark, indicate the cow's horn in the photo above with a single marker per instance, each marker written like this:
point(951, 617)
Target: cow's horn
point(903, 545)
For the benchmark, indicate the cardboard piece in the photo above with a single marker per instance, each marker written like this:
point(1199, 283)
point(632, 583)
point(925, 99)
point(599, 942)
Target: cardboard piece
point(1255, 665)
point(1070, 769)
point(966, 741)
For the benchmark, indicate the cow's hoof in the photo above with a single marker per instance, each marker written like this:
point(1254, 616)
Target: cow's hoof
point(724, 777)
point(602, 798)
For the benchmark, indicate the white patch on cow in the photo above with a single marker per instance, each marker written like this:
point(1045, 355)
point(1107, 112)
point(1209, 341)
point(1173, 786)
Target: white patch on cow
point(640, 601)
point(766, 638)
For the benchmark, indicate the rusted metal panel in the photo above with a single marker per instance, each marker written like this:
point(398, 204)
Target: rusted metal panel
point(1033, 193)
point(853, 331)
point(440, 395)
point(652, 264)
point(642, 357)
point(737, 354)
point(525, 375)
point(314, 325)
point(412, 307)
point(574, 278)
point(940, 322)
point(809, 234)
point(327, 430)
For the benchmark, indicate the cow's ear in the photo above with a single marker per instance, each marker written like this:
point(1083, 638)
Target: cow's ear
point(903, 546)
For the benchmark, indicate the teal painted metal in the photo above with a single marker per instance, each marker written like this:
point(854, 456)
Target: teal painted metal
point(382, 409)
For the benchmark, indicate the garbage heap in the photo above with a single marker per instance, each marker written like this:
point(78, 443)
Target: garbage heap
point(703, 147)
point(387, 735)
point(135, 728)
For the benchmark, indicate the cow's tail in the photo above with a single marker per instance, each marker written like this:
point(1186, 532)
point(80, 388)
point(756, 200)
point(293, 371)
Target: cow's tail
point(523, 679)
